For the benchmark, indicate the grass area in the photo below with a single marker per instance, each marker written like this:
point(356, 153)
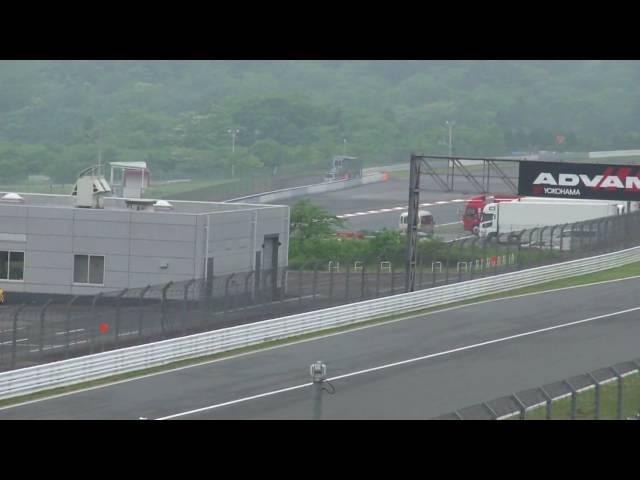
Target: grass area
point(166, 190)
point(585, 402)
point(611, 274)
point(57, 189)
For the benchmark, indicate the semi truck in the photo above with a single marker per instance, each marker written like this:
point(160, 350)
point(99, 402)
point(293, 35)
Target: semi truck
point(473, 207)
point(527, 213)
point(344, 168)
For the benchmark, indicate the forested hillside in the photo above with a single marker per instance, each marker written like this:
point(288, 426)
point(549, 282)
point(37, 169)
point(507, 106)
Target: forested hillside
point(55, 116)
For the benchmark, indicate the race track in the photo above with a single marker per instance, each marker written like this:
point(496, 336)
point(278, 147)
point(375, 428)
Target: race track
point(415, 368)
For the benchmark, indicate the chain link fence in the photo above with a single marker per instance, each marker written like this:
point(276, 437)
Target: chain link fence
point(39, 328)
point(611, 393)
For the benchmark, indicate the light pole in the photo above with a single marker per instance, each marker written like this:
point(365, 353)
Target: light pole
point(451, 124)
point(233, 132)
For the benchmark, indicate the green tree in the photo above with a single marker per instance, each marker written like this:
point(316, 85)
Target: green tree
point(309, 221)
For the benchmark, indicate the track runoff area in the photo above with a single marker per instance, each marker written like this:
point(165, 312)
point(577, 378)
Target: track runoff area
point(420, 366)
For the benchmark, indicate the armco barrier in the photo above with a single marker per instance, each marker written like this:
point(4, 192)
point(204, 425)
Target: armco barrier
point(91, 367)
point(283, 194)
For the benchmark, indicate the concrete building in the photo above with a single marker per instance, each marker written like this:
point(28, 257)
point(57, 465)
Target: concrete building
point(50, 245)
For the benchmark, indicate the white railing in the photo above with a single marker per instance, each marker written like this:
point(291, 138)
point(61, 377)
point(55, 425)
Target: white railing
point(67, 372)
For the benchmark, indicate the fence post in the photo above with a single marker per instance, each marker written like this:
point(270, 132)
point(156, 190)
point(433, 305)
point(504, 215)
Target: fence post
point(483, 264)
point(602, 245)
point(92, 332)
point(301, 282)
point(163, 305)
point(620, 392)
point(597, 399)
point(530, 247)
point(574, 399)
point(393, 278)
point(553, 230)
point(605, 235)
point(227, 302)
point(283, 283)
point(315, 280)
point(518, 260)
point(330, 283)
point(378, 269)
point(582, 225)
point(521, 406)
point(497, 254)
point(14, 340)
point(492, 412)
point(185, 305)
point(461, 253)
point(473, 256)
point(117, 326)
point(549, 402)
point(446, 277)
point(562, 236)
point(141, 305)
point(42, 314)
point(541, 236)
point(67, 321)
point(362, 280)
point(250, 296)
point(346, 283)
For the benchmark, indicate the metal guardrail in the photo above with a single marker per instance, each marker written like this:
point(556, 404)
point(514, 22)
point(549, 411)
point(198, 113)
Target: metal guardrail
point(67, 372)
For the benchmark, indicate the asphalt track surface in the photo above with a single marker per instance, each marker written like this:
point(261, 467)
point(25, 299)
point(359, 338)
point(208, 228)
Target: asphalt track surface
point(445, 364)
point(367, 201)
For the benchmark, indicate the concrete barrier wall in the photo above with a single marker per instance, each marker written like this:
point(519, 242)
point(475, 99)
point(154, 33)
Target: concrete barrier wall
point(278, 195)
point(615, 153)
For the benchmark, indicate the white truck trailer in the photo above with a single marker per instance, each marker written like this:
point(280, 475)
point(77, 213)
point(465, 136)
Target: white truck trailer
point(515, 216)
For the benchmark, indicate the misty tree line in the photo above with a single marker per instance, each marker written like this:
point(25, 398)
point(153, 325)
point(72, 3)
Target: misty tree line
point(55, 116)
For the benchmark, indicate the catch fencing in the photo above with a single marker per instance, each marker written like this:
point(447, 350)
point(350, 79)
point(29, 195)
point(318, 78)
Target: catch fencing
point(611, 393)
point(36, 329)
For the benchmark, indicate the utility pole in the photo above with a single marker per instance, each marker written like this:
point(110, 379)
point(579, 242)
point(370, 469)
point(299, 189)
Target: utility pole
point(99, 152)
point(233, 132)
point(451, 124)
point(412, 223)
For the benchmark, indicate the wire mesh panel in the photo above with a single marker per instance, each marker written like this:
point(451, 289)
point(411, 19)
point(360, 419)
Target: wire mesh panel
point(41, 328)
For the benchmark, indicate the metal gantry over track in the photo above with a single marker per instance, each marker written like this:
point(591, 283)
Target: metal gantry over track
point(451, 173)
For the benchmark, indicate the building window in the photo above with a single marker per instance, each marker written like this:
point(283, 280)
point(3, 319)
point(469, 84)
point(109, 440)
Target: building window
point(11, 265)
point(88, 269)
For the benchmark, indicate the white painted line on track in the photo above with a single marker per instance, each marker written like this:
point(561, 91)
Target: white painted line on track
point(445, 224)
point(404, 362)
point(314, 339)
point(11, 341)
point(71, 331)
point(387, 210)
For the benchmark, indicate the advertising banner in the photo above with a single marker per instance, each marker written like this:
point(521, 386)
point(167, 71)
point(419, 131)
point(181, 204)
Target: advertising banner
point(579, 181)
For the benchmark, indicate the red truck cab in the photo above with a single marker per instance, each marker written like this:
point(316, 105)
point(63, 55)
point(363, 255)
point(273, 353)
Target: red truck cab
point(473, 209)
